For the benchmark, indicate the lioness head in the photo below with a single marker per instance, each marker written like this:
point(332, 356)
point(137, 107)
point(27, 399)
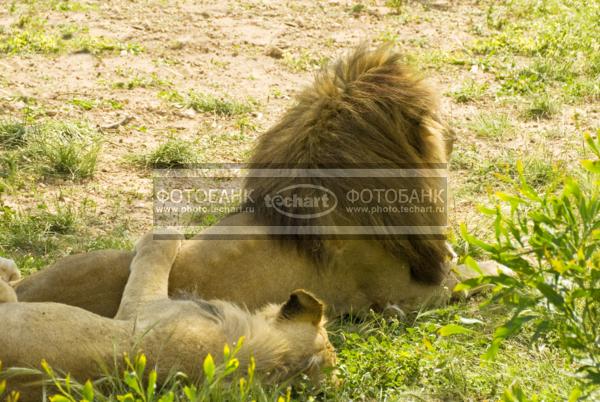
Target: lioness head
point(301, 325)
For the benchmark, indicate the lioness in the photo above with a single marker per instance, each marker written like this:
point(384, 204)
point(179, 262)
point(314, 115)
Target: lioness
point(174, 334)
point(369, 109)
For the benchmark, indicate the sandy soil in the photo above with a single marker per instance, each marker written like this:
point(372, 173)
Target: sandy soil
point(233, 49)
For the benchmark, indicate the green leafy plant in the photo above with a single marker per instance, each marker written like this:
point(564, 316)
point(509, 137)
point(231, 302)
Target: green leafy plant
point(435, 355)
point(136, 382)
point(551, 240)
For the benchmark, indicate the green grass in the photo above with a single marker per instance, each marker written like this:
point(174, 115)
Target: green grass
point(31, 34)
point(50, 149)
point(470, 91)
point(395, 5)
point(35, 237)
point(429, 59)
point(492, 126)
point(556, 41)
point(50, 5)
point(38, 236)
point(302, 61)
point(115, 238)
point(89, 104)
point(542, 107)
point(84, 104)
point(532, 58)
point(9, 172)
point(170, 154)
point(393, 360)
point(34, 232)
point(64, 149)
point(357, 8)
point(69, 5)
point(12, 133)
point(209, 103)
point(382, 359)
point(139, 80)
point(486, 172)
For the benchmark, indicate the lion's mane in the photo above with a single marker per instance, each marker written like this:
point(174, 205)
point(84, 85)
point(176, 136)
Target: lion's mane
point(369, 110)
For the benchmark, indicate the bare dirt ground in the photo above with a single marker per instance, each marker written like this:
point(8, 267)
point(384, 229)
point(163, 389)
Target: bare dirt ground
point(265, 51)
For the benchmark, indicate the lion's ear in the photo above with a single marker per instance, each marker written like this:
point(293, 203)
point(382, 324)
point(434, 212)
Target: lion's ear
point(302, 306)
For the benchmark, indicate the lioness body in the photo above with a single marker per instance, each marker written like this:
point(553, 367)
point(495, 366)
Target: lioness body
point(174, 334)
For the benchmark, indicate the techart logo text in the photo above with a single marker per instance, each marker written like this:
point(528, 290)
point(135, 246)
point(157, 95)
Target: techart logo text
point(294, 202)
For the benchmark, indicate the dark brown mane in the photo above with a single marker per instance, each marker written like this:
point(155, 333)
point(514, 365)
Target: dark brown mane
point(368, 110)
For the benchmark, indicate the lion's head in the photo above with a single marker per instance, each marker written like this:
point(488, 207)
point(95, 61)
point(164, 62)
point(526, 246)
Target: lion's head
point(369, 110)
point(293, 339)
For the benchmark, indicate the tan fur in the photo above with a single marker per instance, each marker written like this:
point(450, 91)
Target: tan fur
point(174, 334)
point(367, 109)
point(8, 273)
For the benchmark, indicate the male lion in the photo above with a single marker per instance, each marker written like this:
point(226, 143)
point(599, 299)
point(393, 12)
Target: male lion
point(174, 334)
point(367, 110)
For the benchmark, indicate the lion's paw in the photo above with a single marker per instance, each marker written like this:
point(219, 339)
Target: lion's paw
point(8, 270)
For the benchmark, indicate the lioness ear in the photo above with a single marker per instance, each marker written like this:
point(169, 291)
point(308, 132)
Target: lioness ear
point(302, 306)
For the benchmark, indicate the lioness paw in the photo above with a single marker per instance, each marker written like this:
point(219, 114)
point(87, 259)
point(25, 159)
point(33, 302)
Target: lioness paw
point(8, 270)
